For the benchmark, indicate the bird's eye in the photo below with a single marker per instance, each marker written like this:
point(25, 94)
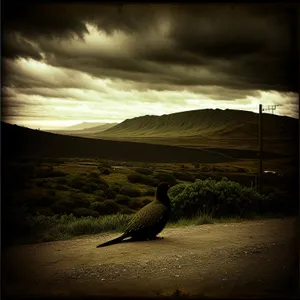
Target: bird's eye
point(169, 185)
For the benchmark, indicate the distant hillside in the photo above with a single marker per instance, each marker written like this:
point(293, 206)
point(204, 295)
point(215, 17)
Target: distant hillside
point(85, 131)
point(83, 125)
point(19, 141)
point(205, 123)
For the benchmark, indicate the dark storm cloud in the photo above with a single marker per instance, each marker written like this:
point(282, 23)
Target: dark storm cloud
point(16, 46)
point(234, 46)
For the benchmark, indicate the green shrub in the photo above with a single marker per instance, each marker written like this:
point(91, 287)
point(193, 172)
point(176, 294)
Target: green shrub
point(139, 178)
point(77, 182)
point(99, 193)
point(166, 177)
point(85, 212)
point(176, 190)
point(184, 176)
point(149, 192)
point(221, 199)
point(123, 199)
point(111, 207)
point(143, 171)
point(98, 206)
point(115, 187)
point(90, 188)
point(135, 204)
point(110, 193)
point(93, 175)
point(104, 171)
point(62, 207)
point(79, 200)
point(129, 191)
point(126, 210)
point(99, 199)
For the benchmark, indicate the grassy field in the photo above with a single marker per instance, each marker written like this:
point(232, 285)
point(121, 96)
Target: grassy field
point(65, 197)
point(56, 186)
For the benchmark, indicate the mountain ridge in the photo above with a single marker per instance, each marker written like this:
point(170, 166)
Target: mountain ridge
point(205, 123)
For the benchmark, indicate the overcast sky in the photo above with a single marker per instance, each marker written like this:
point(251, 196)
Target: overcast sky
point(72, 63)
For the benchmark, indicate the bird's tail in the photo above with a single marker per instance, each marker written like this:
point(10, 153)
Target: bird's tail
point(111, 242)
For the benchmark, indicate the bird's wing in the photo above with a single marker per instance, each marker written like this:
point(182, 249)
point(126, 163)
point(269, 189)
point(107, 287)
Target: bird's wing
point(147, 217)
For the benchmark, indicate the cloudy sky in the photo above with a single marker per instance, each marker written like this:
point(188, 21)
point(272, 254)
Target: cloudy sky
point(72, 63)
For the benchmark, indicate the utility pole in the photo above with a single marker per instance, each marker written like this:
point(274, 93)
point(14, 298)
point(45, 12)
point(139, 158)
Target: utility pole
point(260, 147)
point(260, 142)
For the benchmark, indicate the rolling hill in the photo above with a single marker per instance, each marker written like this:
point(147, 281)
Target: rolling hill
point(86, 131)
point(204, 123)
point(83, 125)
point(24, 142)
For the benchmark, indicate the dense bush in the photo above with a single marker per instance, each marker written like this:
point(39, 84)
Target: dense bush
point(99, 198)
point(63, 207)
point(99, 193)
point(76, 182)
point(98, 206)
point(176, 190)
point(115, 187)
point(139, 178)
point(223, 198)
point(184, 176)
point(123, 199)
point(79, 200)
point(149, 192)
point(110, 193)
point(166, 177)
point(126, 210)
point(88, 184)
point(85, 212)
point(111, 207)
point(104, 171)
point(143, 171)
point(135, 204)
point(129, 191)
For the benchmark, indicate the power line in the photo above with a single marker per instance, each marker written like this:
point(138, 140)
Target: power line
point(271, 108)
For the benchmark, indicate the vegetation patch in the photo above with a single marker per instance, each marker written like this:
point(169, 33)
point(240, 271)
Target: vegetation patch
point(144, 179)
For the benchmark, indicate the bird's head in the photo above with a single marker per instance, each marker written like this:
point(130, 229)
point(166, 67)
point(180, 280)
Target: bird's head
point(162, 193)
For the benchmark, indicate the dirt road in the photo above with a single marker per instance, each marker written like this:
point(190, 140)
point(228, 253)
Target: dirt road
point(247, 258)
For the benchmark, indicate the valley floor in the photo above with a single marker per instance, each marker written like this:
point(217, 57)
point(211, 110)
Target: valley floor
point(233, 259)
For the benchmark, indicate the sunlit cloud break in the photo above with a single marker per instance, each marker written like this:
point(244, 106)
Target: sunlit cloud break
point(101, 66)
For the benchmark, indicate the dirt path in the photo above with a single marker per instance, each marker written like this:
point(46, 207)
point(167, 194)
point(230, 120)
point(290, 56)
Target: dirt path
point(255, 257)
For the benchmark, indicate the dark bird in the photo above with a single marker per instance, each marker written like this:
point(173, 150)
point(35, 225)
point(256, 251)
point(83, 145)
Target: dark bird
point(148, 221)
